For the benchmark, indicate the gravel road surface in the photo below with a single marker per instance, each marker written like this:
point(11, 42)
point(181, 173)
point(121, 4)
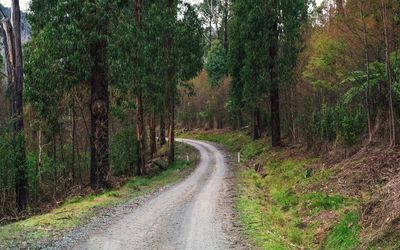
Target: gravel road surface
point(194, 214)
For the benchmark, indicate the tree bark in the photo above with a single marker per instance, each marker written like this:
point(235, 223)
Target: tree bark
point(99, 120)
point(274, 91)
point(163, 141)
point(392, 127)
point(171, 91)
point(140, 128)
point(256, 124)
point(140, 138)
point(152, 129)
point(171, 132)
point(367, 90)
point(226, 14)
point(73, 139)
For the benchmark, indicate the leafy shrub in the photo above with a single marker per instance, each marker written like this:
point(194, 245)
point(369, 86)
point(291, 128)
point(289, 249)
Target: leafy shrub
point(123, 153)
point(336, 123)
point(351, 125)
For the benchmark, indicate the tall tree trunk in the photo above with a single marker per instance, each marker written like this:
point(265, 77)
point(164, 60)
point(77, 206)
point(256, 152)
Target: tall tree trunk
point(274, 91)
point(171, 91)
point(367, 90)
point(392, 127)
point(73, 139)
point(256, 124)
point(140, 137)
point(171, 131)
point(13, 51)
point(152, 129)
point(99, 120)
point(140, 129)
point(162, 130)
point(226, 14)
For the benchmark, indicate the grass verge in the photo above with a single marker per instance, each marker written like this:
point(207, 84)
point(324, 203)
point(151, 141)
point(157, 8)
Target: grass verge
point(75, 211)
point(281, 202)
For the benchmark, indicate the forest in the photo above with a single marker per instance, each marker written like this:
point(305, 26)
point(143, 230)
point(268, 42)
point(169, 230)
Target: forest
point(99, 92)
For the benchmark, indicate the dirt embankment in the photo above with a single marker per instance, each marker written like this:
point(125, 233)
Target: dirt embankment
point(373, 175)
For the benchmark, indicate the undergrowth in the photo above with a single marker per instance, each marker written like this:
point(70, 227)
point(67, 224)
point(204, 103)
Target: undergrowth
point(280, 205)
point(75, 211)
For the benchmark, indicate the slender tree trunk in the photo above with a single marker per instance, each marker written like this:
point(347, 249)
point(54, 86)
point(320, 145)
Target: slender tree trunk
point(73, 138)
point(152, 129)
point(210, 6)
point(99, 121)
point(171, 91)
point(162, 130)
point(367, 90)
point(40, 156)
point(274, 91)
point(392, 127)
point(226, 14)
point(140, 128)
point(140, 137)
point(256, 124)
point(171, 135)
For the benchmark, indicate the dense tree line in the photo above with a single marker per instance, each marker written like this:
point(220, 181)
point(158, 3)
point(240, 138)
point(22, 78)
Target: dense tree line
point(101, 84)
point(315, 75)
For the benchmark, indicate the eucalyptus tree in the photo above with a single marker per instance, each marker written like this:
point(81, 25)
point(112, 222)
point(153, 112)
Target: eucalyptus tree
point(11, 32)
point(265, 39)
point(184, 51)
point(68, 49)
point(216, 64)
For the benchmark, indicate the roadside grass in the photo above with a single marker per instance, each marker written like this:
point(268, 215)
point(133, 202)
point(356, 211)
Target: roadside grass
point(345, 234)
point(280, 204)
point(75, 211)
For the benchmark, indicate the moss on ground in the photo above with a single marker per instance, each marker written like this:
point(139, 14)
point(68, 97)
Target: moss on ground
point(77, 210)
point(279, 204)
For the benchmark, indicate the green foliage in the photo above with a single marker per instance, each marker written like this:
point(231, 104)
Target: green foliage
point(319, 201)
point(255, 36)
point(123, 151)
point(337, 123)
point(274, 204)
point(344, 236)
point(216, 64)
point(78, 209)
point(7, 170)
point(324, 68)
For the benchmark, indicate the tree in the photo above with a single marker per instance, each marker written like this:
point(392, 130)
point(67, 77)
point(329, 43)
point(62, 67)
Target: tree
point(14, 61)
point(72, 52)
point(183, 43)
point(265, 41)
point(216, 64)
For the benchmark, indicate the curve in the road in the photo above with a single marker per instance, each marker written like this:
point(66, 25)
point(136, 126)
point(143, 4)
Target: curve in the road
point(189, 215)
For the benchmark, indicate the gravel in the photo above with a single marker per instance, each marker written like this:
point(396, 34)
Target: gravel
point(194, 214)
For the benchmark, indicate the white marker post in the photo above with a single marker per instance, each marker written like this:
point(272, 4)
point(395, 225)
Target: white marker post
point(187, 157)
point(238, 157)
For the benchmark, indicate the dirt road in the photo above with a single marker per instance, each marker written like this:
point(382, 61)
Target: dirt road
point(195, 214)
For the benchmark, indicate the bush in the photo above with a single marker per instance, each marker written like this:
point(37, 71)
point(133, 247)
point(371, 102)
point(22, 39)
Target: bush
point(337, 123)
point(123, 152)
point(351, 125)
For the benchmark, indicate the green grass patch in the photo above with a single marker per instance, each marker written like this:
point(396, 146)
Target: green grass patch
point(277, 206)
point(344, 235)
point(76, 210)
point(233, 141)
